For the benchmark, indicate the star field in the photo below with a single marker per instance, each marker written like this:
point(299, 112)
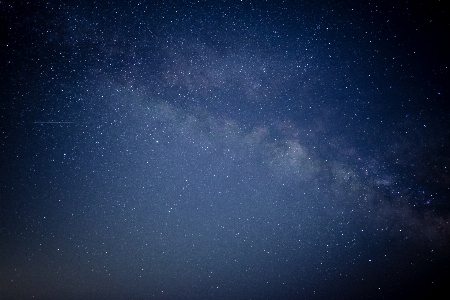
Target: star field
point(218, 150)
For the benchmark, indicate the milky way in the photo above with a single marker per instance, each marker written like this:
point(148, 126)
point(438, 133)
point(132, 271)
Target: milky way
point(224, 150)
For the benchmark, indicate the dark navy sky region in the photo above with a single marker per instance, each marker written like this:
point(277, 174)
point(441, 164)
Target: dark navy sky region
point(224, 149)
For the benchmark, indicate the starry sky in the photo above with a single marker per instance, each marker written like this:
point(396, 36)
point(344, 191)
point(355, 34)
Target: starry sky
point(224, 149)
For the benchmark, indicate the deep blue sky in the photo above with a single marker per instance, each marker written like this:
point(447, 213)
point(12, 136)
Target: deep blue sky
point(224, 150)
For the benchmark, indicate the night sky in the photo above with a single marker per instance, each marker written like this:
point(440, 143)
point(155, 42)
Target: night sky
point(224, 150)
